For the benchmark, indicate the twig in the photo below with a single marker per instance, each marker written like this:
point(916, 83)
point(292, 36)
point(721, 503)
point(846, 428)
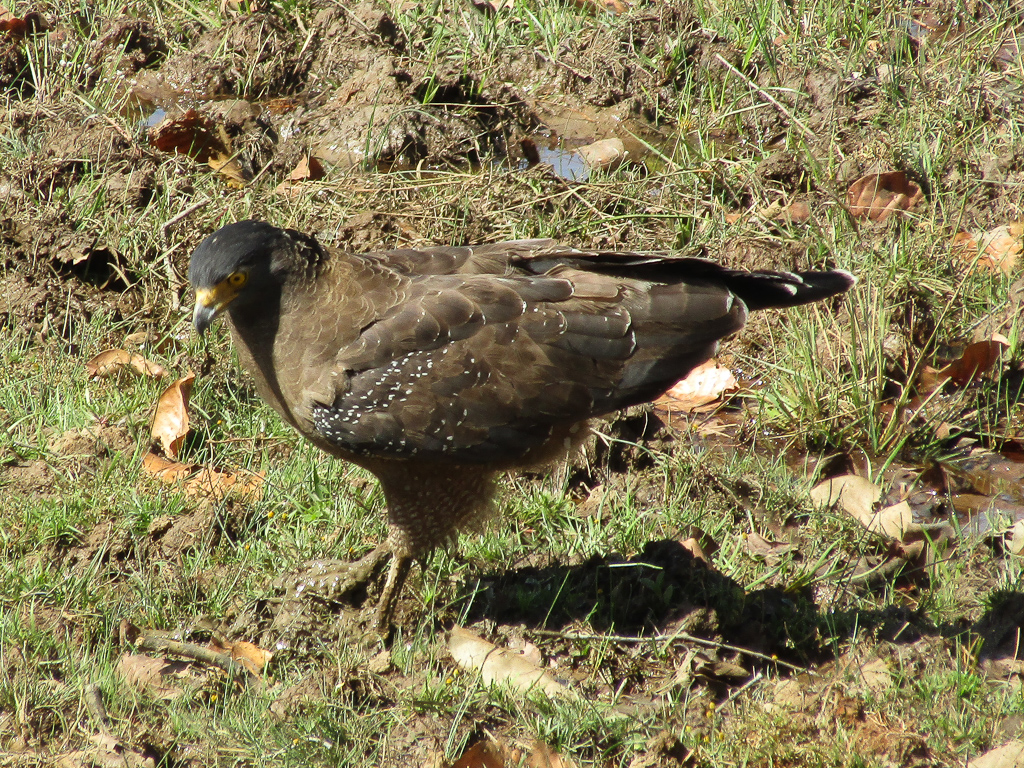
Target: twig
point(97, 711)
point(172, 276)
point(685, 636)
point(165, 227)
point(768, 97)
point(757, 676)
point(190, 651)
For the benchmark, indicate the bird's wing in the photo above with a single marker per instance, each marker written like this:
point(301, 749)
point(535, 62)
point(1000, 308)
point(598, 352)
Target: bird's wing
point(486, 259)
point(481, 368)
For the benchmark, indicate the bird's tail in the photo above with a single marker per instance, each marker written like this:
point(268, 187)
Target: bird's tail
point(763, 290)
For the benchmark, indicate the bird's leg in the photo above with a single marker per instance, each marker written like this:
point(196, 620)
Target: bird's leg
point(397, 573)
point(330, 578)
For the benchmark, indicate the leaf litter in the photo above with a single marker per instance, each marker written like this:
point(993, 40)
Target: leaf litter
point(880, 199)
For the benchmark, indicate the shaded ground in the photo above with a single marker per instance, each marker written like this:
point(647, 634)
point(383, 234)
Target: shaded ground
point(806, 646)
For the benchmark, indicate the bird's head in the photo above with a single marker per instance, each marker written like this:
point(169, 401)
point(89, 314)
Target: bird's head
point(241, 264)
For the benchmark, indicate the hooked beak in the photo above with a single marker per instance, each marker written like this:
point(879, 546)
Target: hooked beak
point(210, 302)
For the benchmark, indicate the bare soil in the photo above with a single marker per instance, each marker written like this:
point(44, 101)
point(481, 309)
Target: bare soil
point(356, 91)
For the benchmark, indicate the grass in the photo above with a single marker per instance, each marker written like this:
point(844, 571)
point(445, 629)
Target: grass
point(89, 542)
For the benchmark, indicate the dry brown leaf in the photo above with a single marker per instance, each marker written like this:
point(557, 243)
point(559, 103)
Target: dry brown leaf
point(996, 250)
point(759, 546)
point(702, 386)
point(878, 195)
point(1009, 755)
point(170, 421)
point(251, 656)
point(543, 756)
point(857, 495)
point(796, 212)
point(164, 469)
point(193, 134)
point(976, 359)
point(213, 484)
point(483, 754)
point(148, 674)
point(493, 6)
point(110, 361)
point(15, 28)
point(693, 546)
point(498, 666)
point(206, 483)
point(198, 136)
point(229, 167)
point(308, 169)
point(611, 6)
point(606, 154)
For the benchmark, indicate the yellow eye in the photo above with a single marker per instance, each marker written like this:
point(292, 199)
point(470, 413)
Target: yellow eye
point(237, 279)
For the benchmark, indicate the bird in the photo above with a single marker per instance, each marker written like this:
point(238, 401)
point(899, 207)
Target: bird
point(440, 368)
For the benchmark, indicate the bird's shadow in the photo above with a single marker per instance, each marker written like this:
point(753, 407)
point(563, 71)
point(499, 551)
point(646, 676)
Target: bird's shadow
point(660, 590)
point(665, 590)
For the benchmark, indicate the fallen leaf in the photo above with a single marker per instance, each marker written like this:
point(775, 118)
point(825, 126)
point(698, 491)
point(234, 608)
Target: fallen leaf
point(895, 521)
point(215, 485)
point(164, 469)
point(796, 212)
point(32, 23)
point(493, 6)
point(198, 136)
point(996, 250)
point(109, 361)
point(308, 169)
point(878, 195)
point(857, 495)
point(702, 386)
point(170, 421)
point(1015, 545)
point(607, 154)
point(498, 666)
point(149, 674)
point(1009, 755)
point(482, 754)
point(543, 756)
point(205, 483)
point(251, 656)
point(693, 546)
point(759, 546)
point(976, 359)
point(611, 6)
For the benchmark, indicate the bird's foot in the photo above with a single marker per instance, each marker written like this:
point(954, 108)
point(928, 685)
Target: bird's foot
point(330, 579)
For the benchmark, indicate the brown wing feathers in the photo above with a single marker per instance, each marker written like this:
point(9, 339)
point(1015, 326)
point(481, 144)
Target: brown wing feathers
point(476, 354)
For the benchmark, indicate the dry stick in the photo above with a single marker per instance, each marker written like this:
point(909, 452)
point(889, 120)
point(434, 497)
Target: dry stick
point(165, 227)
point(735, 694)
point(190, 651)
point(669, 638)
point(98, 712)
point(172, 276)
point(768, 97)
